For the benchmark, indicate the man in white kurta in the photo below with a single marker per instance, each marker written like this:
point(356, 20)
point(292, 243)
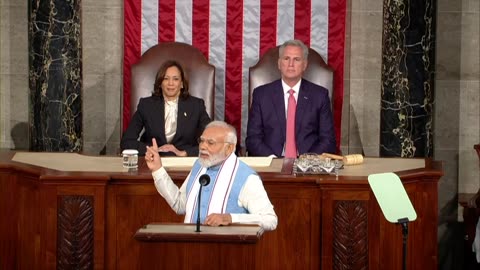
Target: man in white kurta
point(235, 193)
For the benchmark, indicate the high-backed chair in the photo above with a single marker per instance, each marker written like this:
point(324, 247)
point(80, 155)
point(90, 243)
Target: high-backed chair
point(266, 71)
point(200, 74)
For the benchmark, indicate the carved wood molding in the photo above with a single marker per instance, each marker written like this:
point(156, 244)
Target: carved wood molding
point(350, 235)
point(75, 232)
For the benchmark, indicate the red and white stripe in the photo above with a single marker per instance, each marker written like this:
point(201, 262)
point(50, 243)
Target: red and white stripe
point(233, 35)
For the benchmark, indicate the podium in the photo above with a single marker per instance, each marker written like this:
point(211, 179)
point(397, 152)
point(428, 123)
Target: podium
point(323, 220)
point(178, 246)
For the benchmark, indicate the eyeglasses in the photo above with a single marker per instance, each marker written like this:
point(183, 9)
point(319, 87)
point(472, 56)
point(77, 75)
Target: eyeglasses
point(209, 142)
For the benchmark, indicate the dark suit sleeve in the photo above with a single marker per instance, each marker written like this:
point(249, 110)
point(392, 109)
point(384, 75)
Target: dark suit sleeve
point(326, 132)
point(203, 121)
point(255, 128)
point(131, 134)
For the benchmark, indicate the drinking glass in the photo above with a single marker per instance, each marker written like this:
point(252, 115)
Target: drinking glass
point(327, 165)
point(130, 158)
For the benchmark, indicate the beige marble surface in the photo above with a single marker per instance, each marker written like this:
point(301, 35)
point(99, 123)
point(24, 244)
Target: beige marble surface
point(74, 162)
point(382, 165)
point(83, 163)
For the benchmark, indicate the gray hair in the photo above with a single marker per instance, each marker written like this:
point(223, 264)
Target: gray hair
point(296, 43)
point(231, 136)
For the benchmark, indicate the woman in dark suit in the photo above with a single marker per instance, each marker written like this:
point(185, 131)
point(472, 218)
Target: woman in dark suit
point(171, 115)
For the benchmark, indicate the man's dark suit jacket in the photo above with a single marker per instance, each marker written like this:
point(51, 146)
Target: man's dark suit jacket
point(314, 131)
point(192, 118)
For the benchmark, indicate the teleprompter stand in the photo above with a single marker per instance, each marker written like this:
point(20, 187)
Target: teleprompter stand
point(394, 202)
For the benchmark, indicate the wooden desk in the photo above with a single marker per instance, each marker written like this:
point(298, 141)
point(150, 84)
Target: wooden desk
point(55, 219)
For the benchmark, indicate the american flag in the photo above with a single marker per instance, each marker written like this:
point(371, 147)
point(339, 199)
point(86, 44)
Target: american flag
point(233, 34)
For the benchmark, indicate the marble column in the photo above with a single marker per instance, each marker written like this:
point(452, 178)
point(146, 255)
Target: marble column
point(55, 76)
point(407, 98)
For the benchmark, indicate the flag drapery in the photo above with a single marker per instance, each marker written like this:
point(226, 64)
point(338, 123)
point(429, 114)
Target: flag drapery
point(233, 34)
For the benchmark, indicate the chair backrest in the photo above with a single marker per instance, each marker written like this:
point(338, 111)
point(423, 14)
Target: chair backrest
point(266, 71)
point(200, 74)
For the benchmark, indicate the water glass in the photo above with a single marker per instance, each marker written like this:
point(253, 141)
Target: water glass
point(130, 158)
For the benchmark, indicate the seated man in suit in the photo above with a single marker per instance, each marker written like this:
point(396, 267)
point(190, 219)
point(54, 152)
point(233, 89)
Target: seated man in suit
point(171, 115)
point(290, 116)
point(235, 194)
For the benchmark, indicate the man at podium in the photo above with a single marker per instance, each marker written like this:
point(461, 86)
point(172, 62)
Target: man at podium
point(235, 193)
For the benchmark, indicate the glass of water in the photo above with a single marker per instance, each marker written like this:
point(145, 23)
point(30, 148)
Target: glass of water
point(130, 158)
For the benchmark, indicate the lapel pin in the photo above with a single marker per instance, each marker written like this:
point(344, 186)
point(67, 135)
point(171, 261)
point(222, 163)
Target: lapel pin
point(185, 114)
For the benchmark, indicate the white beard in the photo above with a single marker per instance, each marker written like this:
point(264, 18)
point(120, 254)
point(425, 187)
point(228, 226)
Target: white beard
point(211, 160)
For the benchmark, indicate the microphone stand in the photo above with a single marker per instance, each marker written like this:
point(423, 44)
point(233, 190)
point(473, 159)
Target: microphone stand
point(204, 180)
point(198, 208)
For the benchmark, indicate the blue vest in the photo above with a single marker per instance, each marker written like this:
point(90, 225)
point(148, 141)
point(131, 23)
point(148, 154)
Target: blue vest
point(243, 172)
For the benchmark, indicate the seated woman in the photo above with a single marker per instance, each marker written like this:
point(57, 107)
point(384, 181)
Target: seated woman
point(171, 115)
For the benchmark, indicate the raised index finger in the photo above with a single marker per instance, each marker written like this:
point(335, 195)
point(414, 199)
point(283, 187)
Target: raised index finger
point(154, 144)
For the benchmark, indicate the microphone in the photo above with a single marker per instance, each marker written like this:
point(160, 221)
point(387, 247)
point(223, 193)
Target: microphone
point(204, 181)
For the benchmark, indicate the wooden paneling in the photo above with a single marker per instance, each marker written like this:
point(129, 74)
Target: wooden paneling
point(175, 255)
point(29, 222)
point(297, 206)
point(345, 221)
point(9, 216)
point(324, 223)
point(129, 208)
point(75, 232)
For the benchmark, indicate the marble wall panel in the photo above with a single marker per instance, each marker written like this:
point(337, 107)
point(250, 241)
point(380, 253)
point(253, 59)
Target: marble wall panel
point(113, 84)
point(407, 78)
point(447, 114)
point(458, 6)
point(365, 114)
point(13, 44)
point(449, 46)
point(102, 107)
point(446, 136)
point(55, 75)
point(364, 62)
point(367, 5)
point(94, 111)
point(104, 4)
point(13, 74)
point(470, 40)
point(366, 45)
point(469, 134)
point(19, 127)
point(103, 55)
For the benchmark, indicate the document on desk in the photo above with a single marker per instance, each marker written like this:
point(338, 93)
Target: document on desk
point(176, 162)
